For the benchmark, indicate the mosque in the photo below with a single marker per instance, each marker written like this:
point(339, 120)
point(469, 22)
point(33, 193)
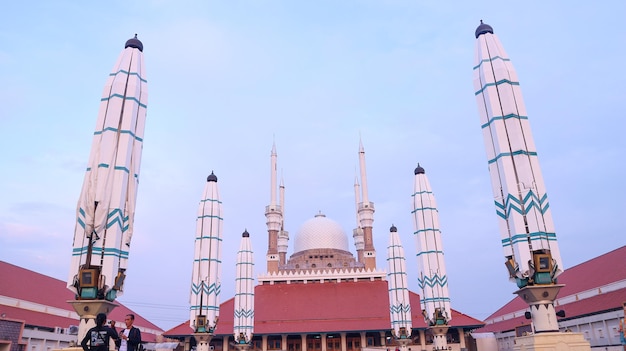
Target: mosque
point(323, 297)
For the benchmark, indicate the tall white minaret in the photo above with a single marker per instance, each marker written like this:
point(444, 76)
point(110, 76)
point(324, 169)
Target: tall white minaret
point(207, 262)
point(283, 235)
point(399, 303)
point(273, 215)
point(357, 233)
point(106, 207)
point(528, 237)
point(243, 323)
point(366, 215)
point(433, 279)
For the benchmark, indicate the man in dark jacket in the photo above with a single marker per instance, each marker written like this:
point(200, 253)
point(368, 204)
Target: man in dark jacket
point(130, 337)
point(98, 336)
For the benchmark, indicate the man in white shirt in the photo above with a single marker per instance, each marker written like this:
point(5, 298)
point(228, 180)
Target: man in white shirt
point(130, 337)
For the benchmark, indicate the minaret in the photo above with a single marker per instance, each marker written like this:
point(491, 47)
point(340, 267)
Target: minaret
point(366, 216)
point(357, 233)
point(283, 235)
point(106, 206)
point(243, 323)
point(433, 279)
point(273, 214)
point(205, 277)
point(399, 304)
point(531, 252)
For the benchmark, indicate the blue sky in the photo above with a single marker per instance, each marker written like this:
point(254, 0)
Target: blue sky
point(226, 79)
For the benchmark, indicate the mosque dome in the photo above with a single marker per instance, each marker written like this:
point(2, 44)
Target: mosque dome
point(320, 233)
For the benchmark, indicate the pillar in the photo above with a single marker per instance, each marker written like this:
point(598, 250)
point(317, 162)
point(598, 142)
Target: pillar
point(422, 339)
point(461, 337)
point(264, 342)
point(303, 346)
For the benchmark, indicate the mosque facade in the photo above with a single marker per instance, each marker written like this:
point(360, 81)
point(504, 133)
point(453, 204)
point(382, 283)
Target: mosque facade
point(323, 297)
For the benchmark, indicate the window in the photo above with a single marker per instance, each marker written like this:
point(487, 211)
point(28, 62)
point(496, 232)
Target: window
point(273, 344)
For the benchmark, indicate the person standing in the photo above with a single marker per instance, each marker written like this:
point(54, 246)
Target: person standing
point(130, 337)
point(98, 336)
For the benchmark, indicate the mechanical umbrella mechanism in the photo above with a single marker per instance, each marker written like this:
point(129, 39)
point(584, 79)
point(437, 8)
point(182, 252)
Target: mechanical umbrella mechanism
point(205, 278)
point(399, 304)
point(531, 252)
point(243, 322)
point(433, 279)
point(106, 207)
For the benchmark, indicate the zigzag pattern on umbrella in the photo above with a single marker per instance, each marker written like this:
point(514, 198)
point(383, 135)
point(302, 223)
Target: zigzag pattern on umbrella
point(213, 288)
point(513, 203)
point(425, 209)
point(491, 59)
point(117, 168)
point(514, 153)
point(400, 308)
point(496, 118)
point(116, 217)
point(113, 74)
point(421, 192)
point(244, 313)
point(429, 252)
point(425, 230)
point(210, 236)
point(432, 281)
point(501, 81)
point(115, 130)
point(125, 98)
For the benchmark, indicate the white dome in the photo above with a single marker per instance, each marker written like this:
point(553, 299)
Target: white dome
point(320, 233)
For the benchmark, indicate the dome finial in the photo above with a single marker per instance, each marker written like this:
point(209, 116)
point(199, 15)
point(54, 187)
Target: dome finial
point(393, 229)
point(245, 233)
point(134, 43)
point(419, 169)
point(482, 29)
point(212, 177)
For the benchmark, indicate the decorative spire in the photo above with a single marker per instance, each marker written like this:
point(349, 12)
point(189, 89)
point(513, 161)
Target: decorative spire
point(273, 175)
point(363, 172)
point(357, 199)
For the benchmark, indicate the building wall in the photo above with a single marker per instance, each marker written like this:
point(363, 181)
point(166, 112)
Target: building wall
point(41, 340)
point(600, 330)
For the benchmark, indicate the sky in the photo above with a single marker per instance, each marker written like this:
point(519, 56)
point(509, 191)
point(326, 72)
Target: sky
point(226, 79)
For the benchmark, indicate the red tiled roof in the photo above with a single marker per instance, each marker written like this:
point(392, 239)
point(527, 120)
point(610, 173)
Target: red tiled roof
point(325, 307)
point(30, 286)
point(589, 275)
